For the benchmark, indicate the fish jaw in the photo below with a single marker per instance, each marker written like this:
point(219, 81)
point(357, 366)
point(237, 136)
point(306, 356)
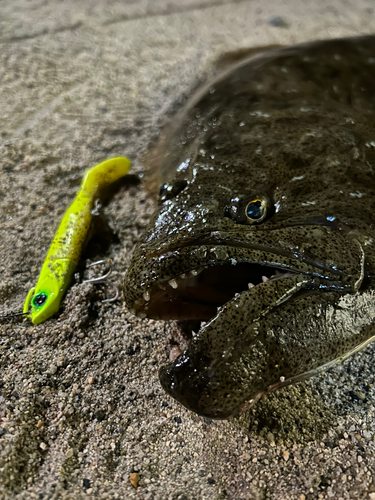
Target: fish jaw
point(230, 351)
point(269, 347)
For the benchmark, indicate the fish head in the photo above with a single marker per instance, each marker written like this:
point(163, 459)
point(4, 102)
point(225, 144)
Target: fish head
point(261, 229)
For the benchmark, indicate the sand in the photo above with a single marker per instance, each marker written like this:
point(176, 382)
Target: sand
point(81, 408)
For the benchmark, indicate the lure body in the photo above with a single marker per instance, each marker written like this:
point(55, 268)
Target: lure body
point(71, 236)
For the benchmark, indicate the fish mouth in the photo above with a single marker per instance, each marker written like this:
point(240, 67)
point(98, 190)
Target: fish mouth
point(197, 294)
point(192, 282)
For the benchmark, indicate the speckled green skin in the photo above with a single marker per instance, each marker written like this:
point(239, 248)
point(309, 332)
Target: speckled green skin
point(298, 125)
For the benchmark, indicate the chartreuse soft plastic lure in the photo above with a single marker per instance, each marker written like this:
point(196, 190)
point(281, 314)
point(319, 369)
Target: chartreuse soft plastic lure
point(44, 299)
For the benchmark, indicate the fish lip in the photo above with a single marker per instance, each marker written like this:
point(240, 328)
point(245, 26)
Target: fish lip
point(217, 239)
point(167, 376)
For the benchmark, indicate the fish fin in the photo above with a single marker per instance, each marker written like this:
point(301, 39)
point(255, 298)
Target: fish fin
point(231, 58)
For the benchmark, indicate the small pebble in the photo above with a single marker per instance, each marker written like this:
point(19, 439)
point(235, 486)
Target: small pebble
point(86, 483)
point(134, 479)
point(278, 22)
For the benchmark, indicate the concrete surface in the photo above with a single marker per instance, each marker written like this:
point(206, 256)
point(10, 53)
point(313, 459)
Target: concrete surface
point(81, 407)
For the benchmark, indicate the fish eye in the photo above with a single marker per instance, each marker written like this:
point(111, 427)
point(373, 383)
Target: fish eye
point(256, 210)
point(169, 190)
point(249, 211)
point(39, 299)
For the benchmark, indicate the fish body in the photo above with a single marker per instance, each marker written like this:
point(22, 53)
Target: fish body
point(265, 228)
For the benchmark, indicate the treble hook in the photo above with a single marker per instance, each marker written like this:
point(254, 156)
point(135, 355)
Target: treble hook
point(102, 279)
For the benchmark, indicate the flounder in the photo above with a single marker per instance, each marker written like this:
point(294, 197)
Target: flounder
point(265, 228)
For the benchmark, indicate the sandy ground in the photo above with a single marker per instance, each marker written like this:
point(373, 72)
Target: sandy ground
point(81, 407)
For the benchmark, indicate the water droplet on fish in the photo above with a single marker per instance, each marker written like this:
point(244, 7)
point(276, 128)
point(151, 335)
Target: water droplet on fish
point(144, 274)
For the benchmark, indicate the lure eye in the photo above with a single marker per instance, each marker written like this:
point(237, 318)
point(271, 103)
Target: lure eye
point(256, 210)
point(171, 189)
point(39, 299)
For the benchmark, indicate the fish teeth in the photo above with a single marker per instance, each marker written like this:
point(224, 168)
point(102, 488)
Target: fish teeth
point(250, 285)
point(173, 283)
point(183, 276)
point(264, 279)
point(146, 295)
point(194, 273)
